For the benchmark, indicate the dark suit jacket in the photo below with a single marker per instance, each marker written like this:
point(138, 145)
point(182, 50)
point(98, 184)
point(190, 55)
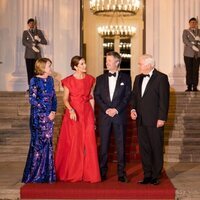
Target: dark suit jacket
point(120, 99)
point(155, 101)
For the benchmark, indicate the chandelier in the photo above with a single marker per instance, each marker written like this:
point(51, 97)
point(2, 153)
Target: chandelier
point(115, 9)
point(116, 30)
point(107, 7)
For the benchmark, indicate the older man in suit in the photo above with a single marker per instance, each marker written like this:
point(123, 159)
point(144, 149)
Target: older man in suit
point(150, 102)
point(31, 39)
point(191, 40)
point(112, 94)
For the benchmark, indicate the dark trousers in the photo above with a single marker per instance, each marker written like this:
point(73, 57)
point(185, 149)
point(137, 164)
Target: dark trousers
point(119, 134)
point(192, 71)
point(30, 67)
point(151, 149)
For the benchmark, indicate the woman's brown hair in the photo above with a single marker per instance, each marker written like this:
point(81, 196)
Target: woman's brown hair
point(74, 61)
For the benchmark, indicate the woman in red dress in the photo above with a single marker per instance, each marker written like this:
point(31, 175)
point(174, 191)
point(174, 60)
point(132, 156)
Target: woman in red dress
point(76, 155)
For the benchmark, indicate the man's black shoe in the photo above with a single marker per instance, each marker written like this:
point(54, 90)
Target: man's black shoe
point(188, 90)
point(123, 179)
point(146, 180)
point(155, 181)
point(195, 89)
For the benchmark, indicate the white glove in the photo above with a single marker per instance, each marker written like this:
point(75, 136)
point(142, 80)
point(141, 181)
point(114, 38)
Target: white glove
point(35, 49)
point(36, 37)
point(197, 38)
point(195, 48)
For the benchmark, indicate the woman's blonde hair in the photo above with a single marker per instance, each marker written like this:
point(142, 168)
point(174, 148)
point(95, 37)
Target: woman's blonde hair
point(40, 65)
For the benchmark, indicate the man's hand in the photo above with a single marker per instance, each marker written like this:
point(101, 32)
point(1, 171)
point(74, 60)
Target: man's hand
point(133, 115)
point(36, 37)
point(160, 123)
point(111, 112)
point(52, 115)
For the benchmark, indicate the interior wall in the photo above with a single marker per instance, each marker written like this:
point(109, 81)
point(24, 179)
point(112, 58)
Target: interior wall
point(94, 42)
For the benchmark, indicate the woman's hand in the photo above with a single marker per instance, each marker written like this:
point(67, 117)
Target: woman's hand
point(52, 115)
point(72, 114)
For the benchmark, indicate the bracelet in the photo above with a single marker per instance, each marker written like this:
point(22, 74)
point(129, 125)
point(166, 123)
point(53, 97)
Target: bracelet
point(71, 110)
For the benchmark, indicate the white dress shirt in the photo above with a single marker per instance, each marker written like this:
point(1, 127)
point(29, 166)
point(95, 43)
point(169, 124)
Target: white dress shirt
point(145, 82)
point(112, 84)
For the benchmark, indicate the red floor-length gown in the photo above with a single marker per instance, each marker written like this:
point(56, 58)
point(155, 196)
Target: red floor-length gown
point(76, 156)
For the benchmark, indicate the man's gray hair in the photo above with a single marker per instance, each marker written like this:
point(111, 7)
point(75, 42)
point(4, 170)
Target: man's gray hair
point(148, 59)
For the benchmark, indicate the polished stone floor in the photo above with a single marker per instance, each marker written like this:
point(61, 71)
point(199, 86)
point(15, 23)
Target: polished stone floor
point(184, 176)
point(186, 179)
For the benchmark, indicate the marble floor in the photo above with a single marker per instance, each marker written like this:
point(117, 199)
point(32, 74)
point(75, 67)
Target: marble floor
point(184, 176)
point(186, 179)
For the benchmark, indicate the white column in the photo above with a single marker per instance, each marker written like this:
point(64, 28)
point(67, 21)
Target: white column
point(159, 32)
point(165, 41)
point(66, 34)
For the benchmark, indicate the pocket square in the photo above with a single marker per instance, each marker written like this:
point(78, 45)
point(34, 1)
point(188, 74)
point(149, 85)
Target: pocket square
point(121, 83)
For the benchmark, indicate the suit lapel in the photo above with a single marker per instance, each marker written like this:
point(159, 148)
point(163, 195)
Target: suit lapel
point(150, 81)
point(140, 85)
point(117, 86)
point(106, 86)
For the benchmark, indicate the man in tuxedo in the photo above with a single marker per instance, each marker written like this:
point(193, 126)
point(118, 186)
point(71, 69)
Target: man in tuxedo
point(112, 94)
point(31, 39)
point(191, 40)
point(150, 102)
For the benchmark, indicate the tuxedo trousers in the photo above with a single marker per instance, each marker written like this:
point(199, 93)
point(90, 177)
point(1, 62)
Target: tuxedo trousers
point(105, 131)
point(151, 141)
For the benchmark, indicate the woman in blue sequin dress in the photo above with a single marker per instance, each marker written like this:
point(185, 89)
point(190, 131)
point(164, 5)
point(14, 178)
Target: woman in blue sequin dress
point(40, 164)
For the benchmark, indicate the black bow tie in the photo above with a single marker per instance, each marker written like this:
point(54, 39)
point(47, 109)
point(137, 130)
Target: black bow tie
point(145, 75)
point(110, 74)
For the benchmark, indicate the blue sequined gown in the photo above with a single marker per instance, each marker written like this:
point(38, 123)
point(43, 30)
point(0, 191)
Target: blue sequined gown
point(40, 164)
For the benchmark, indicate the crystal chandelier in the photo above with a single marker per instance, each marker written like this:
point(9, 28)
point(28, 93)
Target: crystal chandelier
point(107, 7)
point(116, 30)
point(115, 9)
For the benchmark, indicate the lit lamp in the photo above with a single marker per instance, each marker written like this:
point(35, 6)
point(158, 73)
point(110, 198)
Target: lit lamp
point(107, 7)
point(116, 9)
point(117, 30)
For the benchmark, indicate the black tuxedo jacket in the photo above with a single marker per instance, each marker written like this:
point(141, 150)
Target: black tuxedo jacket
point(120, 99)
point(154, 103)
